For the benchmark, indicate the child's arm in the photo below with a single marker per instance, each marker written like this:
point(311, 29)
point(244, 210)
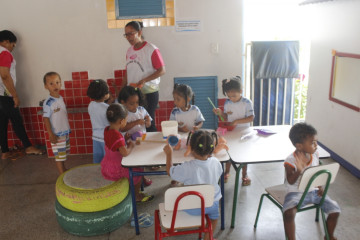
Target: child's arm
point(300, 162)
point(219, 112)
point(126, 151)
point(198, 126)
point(168, 151)
point(132, 124)
point(52, 137)
point(243, 120)
point(147, 121)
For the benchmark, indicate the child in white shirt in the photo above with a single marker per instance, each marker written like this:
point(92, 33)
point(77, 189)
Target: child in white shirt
point(189, 117)
point(56, 120)
point(98, 91)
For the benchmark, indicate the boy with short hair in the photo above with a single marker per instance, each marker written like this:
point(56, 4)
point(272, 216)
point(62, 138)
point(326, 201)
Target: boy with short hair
point(56, 120)
point(303, 137)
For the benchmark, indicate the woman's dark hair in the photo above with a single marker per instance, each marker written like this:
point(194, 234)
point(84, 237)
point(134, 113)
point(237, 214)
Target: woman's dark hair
point(202, 142)
point(300, 132)
point(138, 26)
point(6, 35)
point(129, 91)
point(49, 74)
point(116, 111)
point(233, 83)
point(97, 89)
point(185, 92)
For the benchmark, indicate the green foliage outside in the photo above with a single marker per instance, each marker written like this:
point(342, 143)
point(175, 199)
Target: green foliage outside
point(300, 100)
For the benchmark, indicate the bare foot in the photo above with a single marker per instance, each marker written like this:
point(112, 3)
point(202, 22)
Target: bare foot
point(6, 155)
point(33, 150)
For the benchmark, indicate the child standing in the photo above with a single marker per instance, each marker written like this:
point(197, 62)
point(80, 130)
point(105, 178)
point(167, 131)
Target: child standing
point(56, 120)
point(204, 169)
point(189, 117)
point(98, 90)
point(303, 137)
point(239, 111)
point(115, 150)
point(138, 118)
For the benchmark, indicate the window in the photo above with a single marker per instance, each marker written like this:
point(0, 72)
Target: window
point(151, 13)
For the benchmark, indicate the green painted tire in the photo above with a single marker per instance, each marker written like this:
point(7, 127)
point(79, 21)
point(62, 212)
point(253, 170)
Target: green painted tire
point(85, 190)
point(94, 223)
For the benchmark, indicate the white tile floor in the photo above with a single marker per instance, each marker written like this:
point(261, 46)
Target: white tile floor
point(27, 204)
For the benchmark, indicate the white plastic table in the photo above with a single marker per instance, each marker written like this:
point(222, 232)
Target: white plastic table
point(149, 154)
point(246, 146)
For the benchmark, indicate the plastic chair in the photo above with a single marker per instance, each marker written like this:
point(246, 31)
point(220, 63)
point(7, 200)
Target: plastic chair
point(321, 175)
point(176, 221)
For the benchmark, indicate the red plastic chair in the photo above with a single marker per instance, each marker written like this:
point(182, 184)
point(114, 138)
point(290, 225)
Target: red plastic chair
point(175, 221)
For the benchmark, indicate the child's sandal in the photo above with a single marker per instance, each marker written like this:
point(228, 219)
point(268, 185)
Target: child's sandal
point(146, 198)
point(147, 181)
point(246, 181)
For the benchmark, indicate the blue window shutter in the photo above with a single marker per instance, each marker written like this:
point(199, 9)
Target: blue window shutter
point(131, 9)
point(203, 87)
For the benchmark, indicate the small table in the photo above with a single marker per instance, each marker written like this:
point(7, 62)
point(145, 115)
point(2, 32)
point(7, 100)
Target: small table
point(149, 154)
point(246, 146)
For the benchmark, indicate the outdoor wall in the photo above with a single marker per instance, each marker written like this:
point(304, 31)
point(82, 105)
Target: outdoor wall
point(333, 25)
point(72, 36)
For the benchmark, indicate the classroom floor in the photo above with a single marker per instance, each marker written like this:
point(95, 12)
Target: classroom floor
point(27, 204)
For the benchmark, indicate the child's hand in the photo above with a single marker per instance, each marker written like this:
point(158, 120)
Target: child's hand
point(53, 138)
point(130, 144)
point(217, 111)
point(168, 149)
point(111, 99)
point(300, 160)
point(184, 129)
point(320, 191)
point(127, 136)
point(140, 122)
point(147, 121)
point(196, 128)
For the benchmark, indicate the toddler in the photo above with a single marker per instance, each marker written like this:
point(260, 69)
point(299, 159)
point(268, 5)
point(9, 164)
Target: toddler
point(116, 149)
point(98, 91)
point(188, 116)
point(239, 111)
point(303, 137)
point(138, 118)
point(56, 120)
point(204, 169)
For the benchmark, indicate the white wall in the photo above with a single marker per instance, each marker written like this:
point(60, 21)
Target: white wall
point(69, 36)
point(333, 25)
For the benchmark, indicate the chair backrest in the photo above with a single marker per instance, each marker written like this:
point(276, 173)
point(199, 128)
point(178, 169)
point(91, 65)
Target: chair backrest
point(191, 201)
point(321, 180)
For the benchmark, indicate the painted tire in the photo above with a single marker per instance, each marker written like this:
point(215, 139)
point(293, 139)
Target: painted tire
point(94, 223)
point(78, 198)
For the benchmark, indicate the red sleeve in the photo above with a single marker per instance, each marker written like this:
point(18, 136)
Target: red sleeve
point(5, 59)
point(157, 60)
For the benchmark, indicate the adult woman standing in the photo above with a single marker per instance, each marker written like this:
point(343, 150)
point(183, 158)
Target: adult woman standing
point(144, 66)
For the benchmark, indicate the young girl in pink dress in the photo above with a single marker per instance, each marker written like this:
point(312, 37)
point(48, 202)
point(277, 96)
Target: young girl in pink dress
point(117, 147)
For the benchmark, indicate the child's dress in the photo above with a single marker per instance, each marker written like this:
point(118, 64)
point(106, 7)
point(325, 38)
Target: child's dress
point(188, 118)
point(111, 168)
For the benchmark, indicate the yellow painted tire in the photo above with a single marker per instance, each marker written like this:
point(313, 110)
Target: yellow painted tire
point(79, 199)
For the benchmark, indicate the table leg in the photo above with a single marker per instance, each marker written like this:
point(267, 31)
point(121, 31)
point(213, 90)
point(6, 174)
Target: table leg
point(132, 189)
point(236, 189)
point(222, 200)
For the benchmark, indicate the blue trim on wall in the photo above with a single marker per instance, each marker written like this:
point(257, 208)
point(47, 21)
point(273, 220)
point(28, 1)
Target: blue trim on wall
point(351, 168)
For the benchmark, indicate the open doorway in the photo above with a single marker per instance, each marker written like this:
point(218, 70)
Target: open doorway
point(278, 20)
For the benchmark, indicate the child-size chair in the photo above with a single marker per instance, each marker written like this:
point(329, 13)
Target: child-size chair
point(321, 175)
point(176, 221)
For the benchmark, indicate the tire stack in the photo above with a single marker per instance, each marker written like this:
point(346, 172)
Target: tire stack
point(88, 205)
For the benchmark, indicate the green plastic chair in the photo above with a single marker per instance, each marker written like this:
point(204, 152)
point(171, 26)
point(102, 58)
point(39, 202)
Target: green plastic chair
point(321, 175)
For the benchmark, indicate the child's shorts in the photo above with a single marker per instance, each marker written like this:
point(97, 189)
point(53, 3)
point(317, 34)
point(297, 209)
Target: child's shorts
point(212, 211)
point(293, 198)
point(61, 148)
point(98, 151)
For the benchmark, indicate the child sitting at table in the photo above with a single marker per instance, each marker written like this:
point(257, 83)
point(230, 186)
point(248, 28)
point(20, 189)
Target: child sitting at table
point(188, 116)
point(116, 149)
point(303, 137)
point(239, 111)
point(138, 118)
point(98, 91)
point(204, 169)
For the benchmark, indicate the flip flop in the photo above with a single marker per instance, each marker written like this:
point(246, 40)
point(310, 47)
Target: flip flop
point(144, 220)
point(246, 181)
point(146, 198)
